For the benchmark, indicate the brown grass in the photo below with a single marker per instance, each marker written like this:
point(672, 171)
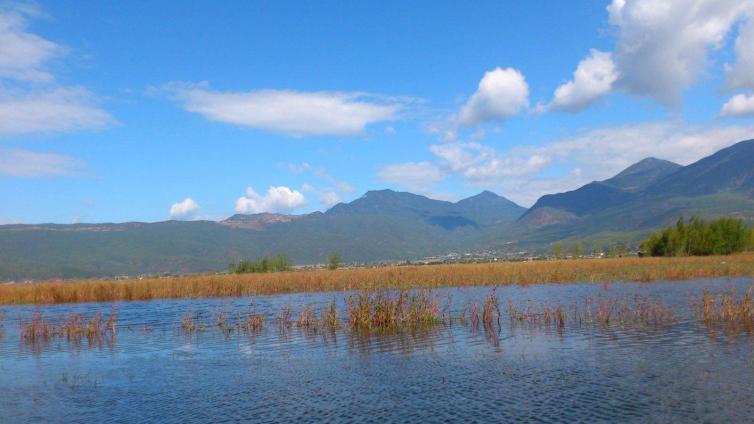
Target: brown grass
point(727, 308)
point(403, 277)
point(392, 311)
point(73, 327)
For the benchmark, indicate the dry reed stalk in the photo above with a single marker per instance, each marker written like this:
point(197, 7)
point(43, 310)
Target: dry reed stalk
point(398, 277)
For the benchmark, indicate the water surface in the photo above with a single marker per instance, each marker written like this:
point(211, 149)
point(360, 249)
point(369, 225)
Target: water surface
point(685, 371)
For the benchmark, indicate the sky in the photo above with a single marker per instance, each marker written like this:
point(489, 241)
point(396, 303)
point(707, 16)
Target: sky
point(148, 111)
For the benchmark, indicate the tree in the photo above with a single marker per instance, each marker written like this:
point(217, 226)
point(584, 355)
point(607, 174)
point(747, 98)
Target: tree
point(578, 249)
point(698, 237)
point(557, 250)
point(333, 262)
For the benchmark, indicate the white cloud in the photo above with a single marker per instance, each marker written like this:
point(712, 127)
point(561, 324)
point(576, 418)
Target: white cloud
point(23, 163)
point(277, 199)
point(524, 173)
point(289, 112)
point(602, 153)
point(23, 54)
point(30, 102)
point(56, 110)
point(739, 106)
point(478, 162)
point(501, 93)
point(414, 176)
point(184, 209)
point(321, 173)
point(593, 78)
point(663, 46)
point(329, 198)
point(741, 73)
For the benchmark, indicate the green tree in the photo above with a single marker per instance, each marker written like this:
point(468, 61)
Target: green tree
point(697, 237)
point(333, 262)
point(557, 250)
point(578, 249)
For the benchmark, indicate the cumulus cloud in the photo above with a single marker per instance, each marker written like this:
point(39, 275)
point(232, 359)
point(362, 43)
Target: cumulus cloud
point(277, 199)
point(289, 112)
point(478, 162)
point(601, 153)
point(184, 209)
point(739, 106)
point(593, 78)
point(525, 172)
point(329, 198)
point(24, 163)
point(741, 73)
point(57, 110)
point(663, 47)
point(501, 93)
point(414, 176)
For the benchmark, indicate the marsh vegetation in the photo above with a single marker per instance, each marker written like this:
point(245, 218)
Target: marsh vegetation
point(394, 277)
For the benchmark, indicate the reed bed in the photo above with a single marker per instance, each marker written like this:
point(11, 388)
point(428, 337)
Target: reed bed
point(391, 311)
point(729, 309)
point(397, 277)
point(72, 327)
point(403, 312)
point(636, 311)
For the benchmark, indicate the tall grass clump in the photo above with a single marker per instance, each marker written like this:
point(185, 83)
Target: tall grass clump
point(72, 327)
point(385, 310)
point(697, 237)
point(730, 309)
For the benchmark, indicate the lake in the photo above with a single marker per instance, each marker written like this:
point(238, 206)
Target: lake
point(153, 370)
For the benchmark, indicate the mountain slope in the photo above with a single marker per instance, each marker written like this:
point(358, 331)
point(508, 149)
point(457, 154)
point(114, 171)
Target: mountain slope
point(729, 170)
point(381, 225)
point(642, 174)
point(720, 184)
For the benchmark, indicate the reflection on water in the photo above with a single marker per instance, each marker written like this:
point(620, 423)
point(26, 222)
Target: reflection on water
point(654, 361)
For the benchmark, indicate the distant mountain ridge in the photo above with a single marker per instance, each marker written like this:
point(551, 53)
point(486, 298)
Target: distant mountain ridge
point(391, 225)
point(651, 193)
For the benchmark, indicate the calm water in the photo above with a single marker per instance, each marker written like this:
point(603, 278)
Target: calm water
point(682, 372)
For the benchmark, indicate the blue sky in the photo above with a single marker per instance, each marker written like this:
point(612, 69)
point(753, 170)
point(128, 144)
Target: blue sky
point(197, 110)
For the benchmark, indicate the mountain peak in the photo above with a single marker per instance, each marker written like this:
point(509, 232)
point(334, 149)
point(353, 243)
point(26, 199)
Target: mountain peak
point(643, 174)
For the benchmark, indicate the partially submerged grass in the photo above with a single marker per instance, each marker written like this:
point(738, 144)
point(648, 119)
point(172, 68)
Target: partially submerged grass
point(394, 278)
point(636, 311)
point(392, 310)
point(728, 308)
point(73, 327)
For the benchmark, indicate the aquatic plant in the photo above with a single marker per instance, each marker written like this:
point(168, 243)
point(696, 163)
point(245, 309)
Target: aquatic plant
point(285, 318)
point(728, 308)
point(392, 311)
point(491, 311)
point(395, 278)
point(329, 317)
point(250, 323)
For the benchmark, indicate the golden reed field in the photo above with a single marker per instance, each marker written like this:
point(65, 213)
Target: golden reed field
point(396, 277)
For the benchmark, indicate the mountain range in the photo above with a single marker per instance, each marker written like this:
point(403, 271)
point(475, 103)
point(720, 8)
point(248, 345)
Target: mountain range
point(390, 225)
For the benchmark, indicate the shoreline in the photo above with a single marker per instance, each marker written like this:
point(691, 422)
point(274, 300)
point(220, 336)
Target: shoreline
point(395, 277)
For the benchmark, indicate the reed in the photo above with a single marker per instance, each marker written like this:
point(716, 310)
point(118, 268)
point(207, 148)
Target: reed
point(636, 311)
point(728, 308)
point(393, 278)
point(73, 327)
point(285, 318)
point(251, 323)
point(329, 317)
point(392, 311)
